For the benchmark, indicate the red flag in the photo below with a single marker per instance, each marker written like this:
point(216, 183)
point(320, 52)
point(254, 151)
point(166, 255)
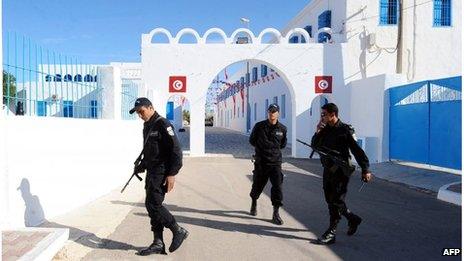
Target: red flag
point(323, 84)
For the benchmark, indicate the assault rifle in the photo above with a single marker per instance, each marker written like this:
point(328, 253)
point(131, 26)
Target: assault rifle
point(346, 168)
point(137, 162)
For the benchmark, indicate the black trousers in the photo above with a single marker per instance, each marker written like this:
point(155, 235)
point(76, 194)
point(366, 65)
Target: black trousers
point(155, 191)
point(261, 174)
point(335, 189)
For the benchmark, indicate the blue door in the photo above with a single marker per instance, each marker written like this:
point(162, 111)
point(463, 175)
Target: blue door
point(67, 109)
point(170, 111)
point(41, 108)
point(93, 109)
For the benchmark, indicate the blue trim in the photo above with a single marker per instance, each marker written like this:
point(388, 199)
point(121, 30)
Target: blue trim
point(442, 13)
point(386, 15)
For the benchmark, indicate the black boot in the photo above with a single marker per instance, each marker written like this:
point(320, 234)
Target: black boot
point(276, 217)
point(253, 210)
point(157, 247)
point(353, 223)
point(327, 238)
point(179, 234)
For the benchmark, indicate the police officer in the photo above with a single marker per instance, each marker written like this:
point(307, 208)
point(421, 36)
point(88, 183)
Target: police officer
point(336, 137)
point(268, 137)
point(162, 158)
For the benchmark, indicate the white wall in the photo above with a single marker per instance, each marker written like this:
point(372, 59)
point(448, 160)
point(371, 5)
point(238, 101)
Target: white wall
point(370, 112)
point(67, 162)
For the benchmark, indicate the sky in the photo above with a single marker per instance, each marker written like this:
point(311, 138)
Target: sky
point(103, 31)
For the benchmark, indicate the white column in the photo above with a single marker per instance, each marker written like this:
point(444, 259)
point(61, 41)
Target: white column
point(197, 128)
point(110, 81)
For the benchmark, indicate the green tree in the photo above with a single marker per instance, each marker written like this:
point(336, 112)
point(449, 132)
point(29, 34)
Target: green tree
point(9, 86)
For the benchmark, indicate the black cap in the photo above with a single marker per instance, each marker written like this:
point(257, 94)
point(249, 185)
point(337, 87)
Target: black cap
point(273, 107)
point(142, 101)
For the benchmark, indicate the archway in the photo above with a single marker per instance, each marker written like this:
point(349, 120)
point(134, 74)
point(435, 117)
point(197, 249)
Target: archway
point(178, 113)
point(243, 91)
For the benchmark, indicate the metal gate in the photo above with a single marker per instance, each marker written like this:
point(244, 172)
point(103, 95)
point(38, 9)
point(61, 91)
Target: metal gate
point(425, 122)
point(129, 94)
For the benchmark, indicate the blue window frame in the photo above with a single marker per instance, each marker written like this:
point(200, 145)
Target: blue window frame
point(442, 13)
point(88, 78)
point(324, 19)
point(263, 70)
point(41, 108)
point(265, 108)
point(170, 111)
point(309, 29)
point(293, 39)
point(388, 12)
point(57, 78)
point(254, 74)
point(78, 78)
point(67, 78)
point(67, 109)
point(255, 108)
point(93, 109)
point(323, 37)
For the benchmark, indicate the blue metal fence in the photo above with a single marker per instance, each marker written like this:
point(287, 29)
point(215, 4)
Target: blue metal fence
point(129, 95)
point(40, 82)
point(425, 122)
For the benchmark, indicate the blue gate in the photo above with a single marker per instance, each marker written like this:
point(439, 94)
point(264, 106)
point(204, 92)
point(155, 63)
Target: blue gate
point(425, 122)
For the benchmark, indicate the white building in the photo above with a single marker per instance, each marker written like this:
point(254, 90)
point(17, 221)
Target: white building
point(374, 55)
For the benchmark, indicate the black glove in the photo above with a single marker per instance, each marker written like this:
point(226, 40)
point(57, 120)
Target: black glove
point(139, 168)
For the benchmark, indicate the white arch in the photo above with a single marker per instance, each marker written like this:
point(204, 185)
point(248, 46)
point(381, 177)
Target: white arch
point(158, 31)
point(273, 31)
point(298, 31)
point(187, 31)
point(245, 30)
point(215, 30)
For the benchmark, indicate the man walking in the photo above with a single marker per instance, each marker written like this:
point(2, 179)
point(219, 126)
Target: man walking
point(337, 138)
point(162, 158)
point(268, 137)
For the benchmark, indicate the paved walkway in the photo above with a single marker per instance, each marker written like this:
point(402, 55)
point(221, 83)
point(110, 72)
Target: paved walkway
point(211, 200)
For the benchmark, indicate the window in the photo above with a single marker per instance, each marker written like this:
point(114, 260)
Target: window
point(67, 108)
point(57, 78)
point(275, 100)
point(48, 78)
point(247, 78)
point(388, 12)
point(170, 111)
point(442, 13)
point(293, 39)
point(254, 109)
point(93, 109)
point(41, 108)
point(67, 78)
point(324, 19)
point(265, 108)
point(88, 78)
point(78, 78)
point(309, 29)
point(263, 70)
point(255, 74)
point(282, 106)
point(95, 78)
point(323, 37)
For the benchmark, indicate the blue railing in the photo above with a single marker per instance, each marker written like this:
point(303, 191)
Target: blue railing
point(40, 82)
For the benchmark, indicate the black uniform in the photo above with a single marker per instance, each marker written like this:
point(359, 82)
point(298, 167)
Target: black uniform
point(268, 141)
point(162, 157)
point(340, 138)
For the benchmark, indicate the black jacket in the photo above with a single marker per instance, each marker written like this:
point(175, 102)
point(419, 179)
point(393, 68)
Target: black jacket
point(268, 141)
point(340, 138)
point(162, 153)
